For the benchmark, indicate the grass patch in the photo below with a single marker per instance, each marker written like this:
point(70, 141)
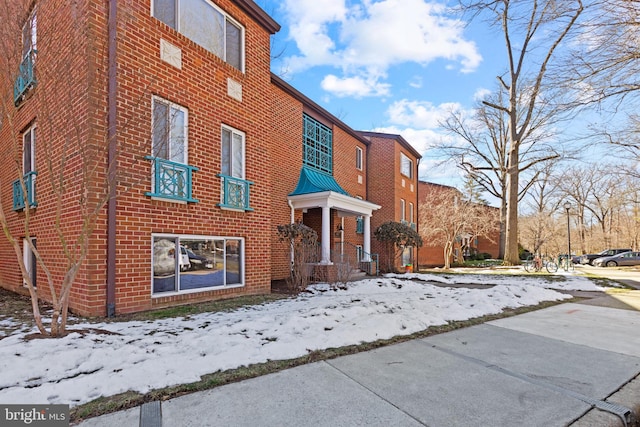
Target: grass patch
point(128, 400)
point(607, 283)
point(223, 305)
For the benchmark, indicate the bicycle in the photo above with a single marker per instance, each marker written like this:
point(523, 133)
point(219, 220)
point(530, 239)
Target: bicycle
point(566, 263)
point(536, 264)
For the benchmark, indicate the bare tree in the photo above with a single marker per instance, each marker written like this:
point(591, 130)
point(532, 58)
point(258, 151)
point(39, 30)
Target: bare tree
point(481, 149)
point(445, 218)
point(539, 227)
point(72, 168)
point(600, 195)
point(533, 31)
point(396, 237)
point(605, 64)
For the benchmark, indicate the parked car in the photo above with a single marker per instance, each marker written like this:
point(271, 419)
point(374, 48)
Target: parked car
point(196, 261)
point(588, 258)
point(625, 258)
point(164, 261)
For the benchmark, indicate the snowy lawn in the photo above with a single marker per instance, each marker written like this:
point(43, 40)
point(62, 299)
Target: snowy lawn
point(141, 356)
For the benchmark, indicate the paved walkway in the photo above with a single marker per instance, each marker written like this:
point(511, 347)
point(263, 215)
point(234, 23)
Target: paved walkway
point(545, 368)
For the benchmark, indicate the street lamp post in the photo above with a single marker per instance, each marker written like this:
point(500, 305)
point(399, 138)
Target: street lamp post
point(567, 206)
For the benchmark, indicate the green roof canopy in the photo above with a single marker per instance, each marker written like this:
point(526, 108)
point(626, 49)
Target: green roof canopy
point(313, 181)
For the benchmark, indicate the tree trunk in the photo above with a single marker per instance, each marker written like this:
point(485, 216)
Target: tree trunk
point(511, 256)
point(448, 251)
point(503, 216)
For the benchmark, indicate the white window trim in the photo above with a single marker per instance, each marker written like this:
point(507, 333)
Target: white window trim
point(402, 161)
point(31, 130)
point(155, 99)
point(359, 158)
point(402, 210)
point(244, 146)
point(410, 212)
point(179, 237)
point(32, 21)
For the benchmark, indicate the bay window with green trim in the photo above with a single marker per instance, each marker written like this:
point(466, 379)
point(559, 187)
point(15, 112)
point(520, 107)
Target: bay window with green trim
point(317, 145)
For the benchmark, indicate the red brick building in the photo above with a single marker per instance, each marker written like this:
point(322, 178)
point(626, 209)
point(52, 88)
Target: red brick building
point(432, 254)
point(319, 178)
point(394, 186)
point(207, 152)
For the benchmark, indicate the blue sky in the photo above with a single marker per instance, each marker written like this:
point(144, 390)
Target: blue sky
point(393, 66)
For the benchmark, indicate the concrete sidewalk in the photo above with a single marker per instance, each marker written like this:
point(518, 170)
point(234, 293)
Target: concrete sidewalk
point(545, 368)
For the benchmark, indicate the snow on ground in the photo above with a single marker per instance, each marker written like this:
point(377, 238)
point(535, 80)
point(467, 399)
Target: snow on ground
point(146, 355)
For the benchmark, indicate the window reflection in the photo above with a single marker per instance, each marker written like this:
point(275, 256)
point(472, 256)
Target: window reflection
point(200, 263)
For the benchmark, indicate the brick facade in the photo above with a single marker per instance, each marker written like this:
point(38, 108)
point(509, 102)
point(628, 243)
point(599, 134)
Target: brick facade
point(432, 255)
point(385, 158)
point(69, 106)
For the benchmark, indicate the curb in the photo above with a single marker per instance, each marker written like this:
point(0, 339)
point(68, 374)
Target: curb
point(627, 396)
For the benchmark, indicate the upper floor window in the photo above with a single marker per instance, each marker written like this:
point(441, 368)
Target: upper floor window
point(359, 158)
point(171, 175)
point(26, 78)
point(20, 198)
point(235, 189)
point(232, 152)
point(29, 150)
point(169, 135)
point(406, 166)
point(206, 24)
point(29, 35)
point(403, 217)
point(317, 145)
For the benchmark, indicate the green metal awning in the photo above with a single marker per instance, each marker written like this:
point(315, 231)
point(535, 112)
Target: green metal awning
point(313, 181)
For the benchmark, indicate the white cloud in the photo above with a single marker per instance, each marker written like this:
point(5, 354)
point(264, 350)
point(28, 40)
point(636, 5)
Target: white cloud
point(481, 94)
point(356, 87)
point(370, 37)
point(416, 82)
point(420, 114)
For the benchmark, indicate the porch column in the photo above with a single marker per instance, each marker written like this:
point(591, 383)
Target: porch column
point(366, 247)
point(326, 236)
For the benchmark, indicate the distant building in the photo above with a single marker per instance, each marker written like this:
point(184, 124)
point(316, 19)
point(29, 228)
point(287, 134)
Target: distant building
point(465, 245)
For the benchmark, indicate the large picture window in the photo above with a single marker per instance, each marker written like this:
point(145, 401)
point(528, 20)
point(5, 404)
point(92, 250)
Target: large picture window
point(205, 24)
point(192, 263)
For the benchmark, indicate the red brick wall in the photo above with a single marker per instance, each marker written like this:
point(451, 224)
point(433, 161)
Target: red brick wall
point(67, 114)
point(431, 255)
point(201, 87)
point(491, 243)
point(386, 186)
point(286, 150)
point(286, 155)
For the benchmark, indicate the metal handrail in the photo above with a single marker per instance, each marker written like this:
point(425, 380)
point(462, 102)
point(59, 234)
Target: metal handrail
point(172, 180)
point(19, 197)
point(234, 193)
